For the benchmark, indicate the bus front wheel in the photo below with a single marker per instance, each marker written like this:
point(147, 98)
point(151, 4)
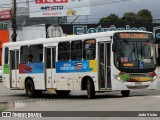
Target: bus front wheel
point(125, 93)
point(90, 89)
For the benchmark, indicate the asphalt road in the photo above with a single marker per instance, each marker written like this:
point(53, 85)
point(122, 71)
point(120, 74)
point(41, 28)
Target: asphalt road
point(7, 95)
point(140, 100)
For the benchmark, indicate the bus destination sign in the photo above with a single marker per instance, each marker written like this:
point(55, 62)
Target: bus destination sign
point(134, 36)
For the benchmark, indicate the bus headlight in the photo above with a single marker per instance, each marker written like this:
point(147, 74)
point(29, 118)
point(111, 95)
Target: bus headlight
point(119, 78)
point(155, 77)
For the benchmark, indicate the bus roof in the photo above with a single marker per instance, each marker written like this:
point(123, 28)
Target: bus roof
point(66, 38)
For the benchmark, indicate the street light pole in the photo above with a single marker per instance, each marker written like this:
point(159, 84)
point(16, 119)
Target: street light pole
point(14, 25)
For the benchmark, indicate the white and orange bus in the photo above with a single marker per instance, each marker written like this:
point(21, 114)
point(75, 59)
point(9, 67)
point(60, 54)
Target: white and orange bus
point(97, 62)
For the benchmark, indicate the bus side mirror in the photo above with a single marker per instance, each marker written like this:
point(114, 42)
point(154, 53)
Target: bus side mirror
point(114, 47)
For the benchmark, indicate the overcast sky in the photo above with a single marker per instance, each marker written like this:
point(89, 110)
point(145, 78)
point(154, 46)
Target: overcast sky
point(128, 6)
point(103, 10)
point(120, 8)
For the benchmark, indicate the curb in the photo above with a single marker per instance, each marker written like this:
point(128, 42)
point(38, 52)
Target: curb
point(6, 105)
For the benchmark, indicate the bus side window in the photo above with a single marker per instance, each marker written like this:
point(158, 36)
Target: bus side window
point(41, 57)
point(24, 54)
point(63, 51)
point(30, 58)
point(37, 53)
point(158, 59)
point(6, 53)
point(76, 50)
point(89, 55)
point(89, 49)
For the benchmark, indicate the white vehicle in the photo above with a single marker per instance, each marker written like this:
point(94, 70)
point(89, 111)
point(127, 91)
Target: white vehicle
point(98, 62)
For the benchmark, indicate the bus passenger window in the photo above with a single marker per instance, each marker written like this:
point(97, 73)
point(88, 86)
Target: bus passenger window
point(37, 53)
point(63, 56)
point(63, 51)
point(89, 55)
point(24, 54)
point(6, 55)
point(76, 50)
point(158, 59)
point(30, 57)
point(41, 57)
point(89, 49)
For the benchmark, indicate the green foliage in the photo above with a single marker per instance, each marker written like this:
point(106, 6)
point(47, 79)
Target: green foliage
point(143, 16)
point(129, 17)
point(111, 19)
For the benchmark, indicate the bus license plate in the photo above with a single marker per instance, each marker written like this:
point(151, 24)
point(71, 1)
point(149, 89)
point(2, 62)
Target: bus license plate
point(138, 83)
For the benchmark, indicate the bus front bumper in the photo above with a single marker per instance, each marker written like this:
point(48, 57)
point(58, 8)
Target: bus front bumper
point(137, 85)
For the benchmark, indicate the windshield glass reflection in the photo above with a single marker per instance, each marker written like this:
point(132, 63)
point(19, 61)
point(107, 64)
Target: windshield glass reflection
point(134, 55)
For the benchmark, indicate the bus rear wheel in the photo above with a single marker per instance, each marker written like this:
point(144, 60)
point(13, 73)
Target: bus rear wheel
point(90, 89)
point(30, 89)
point(125, 93)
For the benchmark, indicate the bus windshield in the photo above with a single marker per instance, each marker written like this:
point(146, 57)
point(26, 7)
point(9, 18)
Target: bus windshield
point(137, 56)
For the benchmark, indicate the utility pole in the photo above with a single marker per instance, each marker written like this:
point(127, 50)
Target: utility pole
point(14, 25)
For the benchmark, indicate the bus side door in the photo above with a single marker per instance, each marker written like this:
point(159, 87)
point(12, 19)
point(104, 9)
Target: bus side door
point(14, 74)
point(104, 52)
point(50, 59)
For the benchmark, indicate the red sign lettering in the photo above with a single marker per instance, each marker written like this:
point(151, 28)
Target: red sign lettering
point(5, 14)
point(50, 1)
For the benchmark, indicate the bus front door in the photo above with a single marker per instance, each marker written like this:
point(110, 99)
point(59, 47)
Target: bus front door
point(14, 74)
point(104, 65)
point(50, 58)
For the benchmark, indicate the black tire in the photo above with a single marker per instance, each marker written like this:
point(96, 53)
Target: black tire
point(125, 93)
point(30, 89)
point(63, 92)
point(90, 89)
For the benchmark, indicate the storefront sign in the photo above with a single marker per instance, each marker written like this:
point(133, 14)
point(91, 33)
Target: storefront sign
point(82, 29)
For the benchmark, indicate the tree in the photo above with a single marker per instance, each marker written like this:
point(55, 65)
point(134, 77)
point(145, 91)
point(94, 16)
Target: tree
point(111, 19)
point(144, 16)
point(129, 17)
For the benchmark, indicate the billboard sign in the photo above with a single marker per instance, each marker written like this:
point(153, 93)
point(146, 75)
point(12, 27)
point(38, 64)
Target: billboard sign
point(5, 14)
point(58, 8)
